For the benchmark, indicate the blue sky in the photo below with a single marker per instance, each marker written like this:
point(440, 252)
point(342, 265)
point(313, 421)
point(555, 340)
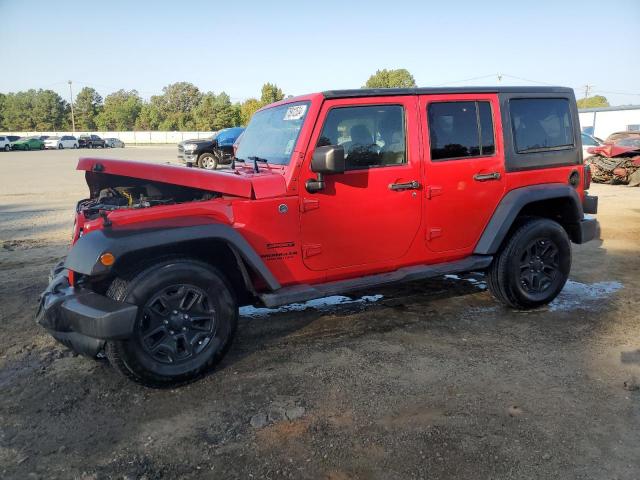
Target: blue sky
point(311, 46)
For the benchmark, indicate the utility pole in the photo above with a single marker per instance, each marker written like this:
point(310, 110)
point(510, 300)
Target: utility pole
point(499, 77)
point(587, 89)
point(73, 120)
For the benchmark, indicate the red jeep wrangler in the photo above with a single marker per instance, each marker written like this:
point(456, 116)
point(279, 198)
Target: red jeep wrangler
point(328, 193)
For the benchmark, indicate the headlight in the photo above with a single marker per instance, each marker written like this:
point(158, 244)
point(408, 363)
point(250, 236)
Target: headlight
point(190, 147)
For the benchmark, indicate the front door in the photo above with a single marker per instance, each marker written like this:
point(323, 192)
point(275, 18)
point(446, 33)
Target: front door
point(371, 213)
point(464, 171)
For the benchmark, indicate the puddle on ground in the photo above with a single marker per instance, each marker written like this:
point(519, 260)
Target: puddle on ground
point(318, 304)
point(585, 296)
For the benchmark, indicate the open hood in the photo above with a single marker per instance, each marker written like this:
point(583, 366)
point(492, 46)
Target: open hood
point(243, 183)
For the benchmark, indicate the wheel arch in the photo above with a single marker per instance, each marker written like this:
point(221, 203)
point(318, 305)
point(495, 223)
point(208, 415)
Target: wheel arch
point(556, 202)
point(217, 244)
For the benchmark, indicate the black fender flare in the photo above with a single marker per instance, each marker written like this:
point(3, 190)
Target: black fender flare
point(511, 205)
point(84, 256)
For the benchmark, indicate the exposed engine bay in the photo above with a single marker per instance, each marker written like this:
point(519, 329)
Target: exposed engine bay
point(116, 192)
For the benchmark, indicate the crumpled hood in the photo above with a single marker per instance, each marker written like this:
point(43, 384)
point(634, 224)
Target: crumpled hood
point(266, 184)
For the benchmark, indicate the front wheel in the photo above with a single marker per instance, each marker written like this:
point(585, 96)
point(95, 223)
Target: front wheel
point(7, 148)
point(533, 266)
point(60, 147)
point(186, 321)
point(27, 147)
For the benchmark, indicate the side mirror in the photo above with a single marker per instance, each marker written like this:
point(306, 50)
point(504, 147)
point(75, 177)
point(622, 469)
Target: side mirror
point(327, 159)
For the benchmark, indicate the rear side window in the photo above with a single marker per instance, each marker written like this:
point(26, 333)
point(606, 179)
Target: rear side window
point(460, 130)
point(541, 124)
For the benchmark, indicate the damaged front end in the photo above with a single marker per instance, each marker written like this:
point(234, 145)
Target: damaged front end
point(81, 319)
point(615, 164)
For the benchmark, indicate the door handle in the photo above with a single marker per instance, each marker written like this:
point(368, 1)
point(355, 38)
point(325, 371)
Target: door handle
point(412, 185)
point(485, 177)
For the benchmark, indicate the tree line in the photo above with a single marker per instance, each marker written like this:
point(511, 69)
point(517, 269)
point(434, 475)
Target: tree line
point(181, 106)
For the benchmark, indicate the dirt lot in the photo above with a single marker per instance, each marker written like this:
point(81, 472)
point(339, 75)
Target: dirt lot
point(433, 379)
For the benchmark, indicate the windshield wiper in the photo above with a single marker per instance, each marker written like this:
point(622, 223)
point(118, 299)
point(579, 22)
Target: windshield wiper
point(255, 162)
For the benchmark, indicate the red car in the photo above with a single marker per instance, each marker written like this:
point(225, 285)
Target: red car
point(329, 193)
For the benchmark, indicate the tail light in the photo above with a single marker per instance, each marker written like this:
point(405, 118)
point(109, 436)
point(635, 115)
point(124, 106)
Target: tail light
point(587, 177)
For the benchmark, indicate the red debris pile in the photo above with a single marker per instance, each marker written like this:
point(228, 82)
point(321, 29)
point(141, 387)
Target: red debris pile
point(617, 162)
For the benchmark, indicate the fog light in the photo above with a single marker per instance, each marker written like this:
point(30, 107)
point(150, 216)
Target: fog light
point(107, 259)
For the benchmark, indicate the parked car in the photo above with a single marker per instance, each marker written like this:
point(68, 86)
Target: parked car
point(28, 143)
point(331, 193)
point(589, 141)
point(43, 137)
point(65, 141)
point(13, 138)
point(5, 143)
point(90, 141)
point(113, 143)
point(210, 152)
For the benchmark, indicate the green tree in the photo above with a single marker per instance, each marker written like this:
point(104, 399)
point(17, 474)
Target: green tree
point(87, 106)
point(17, 111)
point(593, 102)
point(173, 110)
point(120, 111)
point(48, 111)
point(247, 109)
point(270, 93)
point(215, 112)
point(400, 78)
point(3, 102)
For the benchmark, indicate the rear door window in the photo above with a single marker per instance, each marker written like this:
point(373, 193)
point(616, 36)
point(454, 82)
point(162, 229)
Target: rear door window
point(541, 124)
point(460, 130)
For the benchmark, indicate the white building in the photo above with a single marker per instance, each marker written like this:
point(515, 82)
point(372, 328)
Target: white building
point(603, 121)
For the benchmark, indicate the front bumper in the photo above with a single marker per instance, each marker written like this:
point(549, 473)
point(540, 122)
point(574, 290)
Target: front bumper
point(82, 319)
point(185, 157)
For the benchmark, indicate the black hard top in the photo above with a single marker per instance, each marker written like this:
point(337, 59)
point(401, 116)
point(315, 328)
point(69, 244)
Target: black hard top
point(379, 92)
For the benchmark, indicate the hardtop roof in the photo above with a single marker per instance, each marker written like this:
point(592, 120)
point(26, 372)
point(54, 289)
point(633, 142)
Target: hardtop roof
point(380, 92)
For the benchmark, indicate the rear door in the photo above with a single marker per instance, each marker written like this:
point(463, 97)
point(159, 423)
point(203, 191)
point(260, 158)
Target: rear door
point(464, 169)
point(371, 213)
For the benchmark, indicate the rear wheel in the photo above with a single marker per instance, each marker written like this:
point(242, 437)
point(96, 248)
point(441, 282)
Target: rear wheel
point(27, 147)
point(7, 147)
point(186, 321)
point(533, 266)
point(60, 147)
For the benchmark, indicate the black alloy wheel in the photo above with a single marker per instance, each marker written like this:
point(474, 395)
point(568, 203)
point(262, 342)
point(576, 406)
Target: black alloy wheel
point(532, 266)
point(177, 323)
point(539, 265)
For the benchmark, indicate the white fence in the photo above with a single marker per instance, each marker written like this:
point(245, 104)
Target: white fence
point(131, 138)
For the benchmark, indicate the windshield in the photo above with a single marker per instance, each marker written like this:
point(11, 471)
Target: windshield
point(272, 133)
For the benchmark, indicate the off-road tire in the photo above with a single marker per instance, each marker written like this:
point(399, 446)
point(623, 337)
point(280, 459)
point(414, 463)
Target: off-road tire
point(504, 273)
point(134, 361)
point(208, 161)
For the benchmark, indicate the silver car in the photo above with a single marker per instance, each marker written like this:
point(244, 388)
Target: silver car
point(113, 143)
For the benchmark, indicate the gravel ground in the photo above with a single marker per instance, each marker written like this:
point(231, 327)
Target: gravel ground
point(431, 379)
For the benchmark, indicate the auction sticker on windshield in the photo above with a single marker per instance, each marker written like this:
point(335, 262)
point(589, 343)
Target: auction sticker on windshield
point(295, 112)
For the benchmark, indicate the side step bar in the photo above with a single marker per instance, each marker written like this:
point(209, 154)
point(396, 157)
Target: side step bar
point(303, 293)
